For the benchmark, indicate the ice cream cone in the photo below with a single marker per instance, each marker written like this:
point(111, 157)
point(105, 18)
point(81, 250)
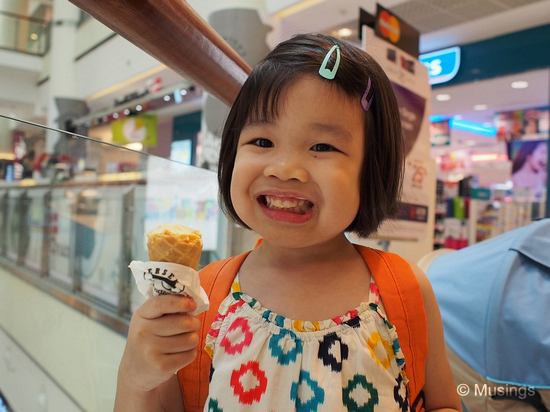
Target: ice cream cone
point(176, 244)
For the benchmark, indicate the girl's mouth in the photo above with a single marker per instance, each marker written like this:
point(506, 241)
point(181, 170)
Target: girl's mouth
point(286, 209)
point(286, 204)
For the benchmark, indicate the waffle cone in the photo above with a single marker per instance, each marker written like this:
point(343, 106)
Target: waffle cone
point(176, 244)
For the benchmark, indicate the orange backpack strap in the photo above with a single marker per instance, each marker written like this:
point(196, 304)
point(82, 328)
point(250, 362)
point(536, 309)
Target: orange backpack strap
point(402, 298)
point(216, 279)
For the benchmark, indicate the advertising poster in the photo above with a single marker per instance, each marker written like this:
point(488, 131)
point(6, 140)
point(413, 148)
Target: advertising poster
point(135, 129)
point(530, 124)
point(411, 110)
point(409, 78)
point(529, 168)
point(440, 133)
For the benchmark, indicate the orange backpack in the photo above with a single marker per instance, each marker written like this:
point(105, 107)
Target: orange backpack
point(400, 294)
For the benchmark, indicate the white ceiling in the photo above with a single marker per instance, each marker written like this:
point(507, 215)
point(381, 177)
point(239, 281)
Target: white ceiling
point(431, 15)
point(496, 93)
point(442, 23)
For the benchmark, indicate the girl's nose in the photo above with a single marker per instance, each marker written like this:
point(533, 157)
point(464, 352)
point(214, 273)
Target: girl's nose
point(287, 169)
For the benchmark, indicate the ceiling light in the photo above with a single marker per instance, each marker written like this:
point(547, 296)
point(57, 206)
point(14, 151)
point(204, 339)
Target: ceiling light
point(344, 32)
point(139, 107)
point(519, 84)
point(126, 112)
point(115, 115)
point(135, 146)
point(34, 36)
point(183, 92)
point(480, 107)
point(442, 97)
point(473, 127)
point(484, 157)
point(166, 98)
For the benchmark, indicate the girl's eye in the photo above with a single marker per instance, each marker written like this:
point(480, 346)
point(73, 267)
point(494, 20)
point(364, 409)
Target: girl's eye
point(262, 142)
point(323, 147)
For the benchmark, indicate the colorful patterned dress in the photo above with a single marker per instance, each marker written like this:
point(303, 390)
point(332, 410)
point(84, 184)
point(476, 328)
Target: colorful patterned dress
point(262, 361)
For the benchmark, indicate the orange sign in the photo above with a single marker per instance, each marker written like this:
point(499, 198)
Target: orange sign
point(389, 26)
point(396, 31)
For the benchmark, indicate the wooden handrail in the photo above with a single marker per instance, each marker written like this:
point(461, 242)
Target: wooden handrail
point(173, 33)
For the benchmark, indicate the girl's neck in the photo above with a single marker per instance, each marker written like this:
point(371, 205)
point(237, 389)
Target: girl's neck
point(298, 282)
point(332, 251)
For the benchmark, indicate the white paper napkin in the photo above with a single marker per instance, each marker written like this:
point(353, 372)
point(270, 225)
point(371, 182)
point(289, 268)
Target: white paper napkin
point(163, 278)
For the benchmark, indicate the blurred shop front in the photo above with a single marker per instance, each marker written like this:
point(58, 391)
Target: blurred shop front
point(489, 134)
point(154, 117)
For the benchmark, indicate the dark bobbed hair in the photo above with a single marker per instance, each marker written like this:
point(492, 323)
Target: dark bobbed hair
point(258, 100)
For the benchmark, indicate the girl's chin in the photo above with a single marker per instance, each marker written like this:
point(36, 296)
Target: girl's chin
point(293, 239)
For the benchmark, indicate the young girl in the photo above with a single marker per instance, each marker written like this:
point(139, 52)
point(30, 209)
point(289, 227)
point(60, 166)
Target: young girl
point(311, 149)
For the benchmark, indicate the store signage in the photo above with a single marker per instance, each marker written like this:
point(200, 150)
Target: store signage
point(135, 129)
point(442, 65)
point(412, 212)
point(365, 19)
point(480, 193)
point(396, 31)
point(131, 96)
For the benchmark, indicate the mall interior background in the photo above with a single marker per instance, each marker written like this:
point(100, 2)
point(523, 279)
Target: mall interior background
point(100, 142)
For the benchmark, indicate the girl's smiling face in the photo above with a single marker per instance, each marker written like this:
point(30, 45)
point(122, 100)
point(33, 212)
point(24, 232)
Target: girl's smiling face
point(296, 179)
point(539, 158)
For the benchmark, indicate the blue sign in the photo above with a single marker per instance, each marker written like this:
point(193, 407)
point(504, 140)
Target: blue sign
point(442, 64)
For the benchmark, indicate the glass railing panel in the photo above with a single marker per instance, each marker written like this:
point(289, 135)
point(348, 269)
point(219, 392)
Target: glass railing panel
point(138, 243)
point(71, 220)
point(4, 202)
point(35, 228)
point(60, 235)
point(15, 239)
point(85, 213)
point(23, 34)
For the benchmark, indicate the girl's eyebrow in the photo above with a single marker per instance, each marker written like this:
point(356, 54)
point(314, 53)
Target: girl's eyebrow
point(258, 123)
point(327, 128)
point(333, 129)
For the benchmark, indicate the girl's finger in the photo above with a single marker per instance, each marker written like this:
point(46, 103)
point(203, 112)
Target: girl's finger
point(158, 306)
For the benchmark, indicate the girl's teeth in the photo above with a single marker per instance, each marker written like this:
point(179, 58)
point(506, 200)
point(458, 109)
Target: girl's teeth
point(293, 205)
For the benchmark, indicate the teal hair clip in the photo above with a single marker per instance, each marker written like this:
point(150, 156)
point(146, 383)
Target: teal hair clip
point(323, 70)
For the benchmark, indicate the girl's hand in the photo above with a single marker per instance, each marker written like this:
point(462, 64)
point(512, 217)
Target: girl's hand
point(162, 338)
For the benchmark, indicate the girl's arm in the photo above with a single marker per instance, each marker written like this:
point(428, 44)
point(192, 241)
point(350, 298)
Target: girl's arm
point(171, 396)
point(440, 388)
point(162, 338)
point(166, 397)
